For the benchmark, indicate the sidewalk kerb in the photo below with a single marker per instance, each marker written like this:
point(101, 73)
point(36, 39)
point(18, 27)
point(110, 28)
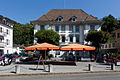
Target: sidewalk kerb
point(56, 73)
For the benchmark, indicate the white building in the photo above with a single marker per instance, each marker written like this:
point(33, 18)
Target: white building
point(72, 25)
point(6, 36)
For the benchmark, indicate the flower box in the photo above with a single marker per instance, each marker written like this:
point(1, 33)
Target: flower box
point(118, 63)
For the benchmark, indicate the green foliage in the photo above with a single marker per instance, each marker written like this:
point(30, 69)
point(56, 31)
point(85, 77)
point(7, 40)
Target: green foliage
point(111, 39)
point(118, 56)
point(23, 34)
point(113, 55)
point(48, 36)
point(2, 17)
point(15, 53)
point(97, 37)
point(110, 24)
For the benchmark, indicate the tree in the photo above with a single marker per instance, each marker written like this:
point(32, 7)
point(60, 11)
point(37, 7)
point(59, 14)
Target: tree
point(48, 36)
point(23, 34)
point(97, 37)
point(110, 24)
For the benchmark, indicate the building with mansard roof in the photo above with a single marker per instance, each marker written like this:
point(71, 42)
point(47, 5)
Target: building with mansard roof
point(72, 25)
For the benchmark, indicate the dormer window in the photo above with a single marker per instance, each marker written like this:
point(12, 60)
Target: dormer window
point(4, 21)
point(73, 18)
point(59, 18)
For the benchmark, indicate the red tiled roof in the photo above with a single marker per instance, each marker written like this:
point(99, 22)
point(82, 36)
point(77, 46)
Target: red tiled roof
point(67, 14)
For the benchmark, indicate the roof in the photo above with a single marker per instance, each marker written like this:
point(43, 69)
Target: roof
point(67, 14)
point(7, 23)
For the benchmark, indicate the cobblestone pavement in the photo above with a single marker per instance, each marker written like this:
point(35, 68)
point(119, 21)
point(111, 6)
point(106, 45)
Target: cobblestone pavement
point(80, 67)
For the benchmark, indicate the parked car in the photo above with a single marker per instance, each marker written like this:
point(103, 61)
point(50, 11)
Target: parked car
point(23, 56)
point(70, 57)
point(7, 59)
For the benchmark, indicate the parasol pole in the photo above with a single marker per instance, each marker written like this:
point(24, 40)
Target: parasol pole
point(75, 56)
point(45, 55)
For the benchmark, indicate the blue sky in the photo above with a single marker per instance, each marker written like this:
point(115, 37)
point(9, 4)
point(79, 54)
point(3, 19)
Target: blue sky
point(24, 11)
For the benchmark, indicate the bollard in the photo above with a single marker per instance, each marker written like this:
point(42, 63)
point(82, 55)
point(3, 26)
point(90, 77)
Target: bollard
point(17, 69)
point(50, 68)
point(112, 66)
point(89, 67)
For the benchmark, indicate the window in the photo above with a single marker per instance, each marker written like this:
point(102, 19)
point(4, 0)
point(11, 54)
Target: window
point(73, 18)
point(63, 28)
point(1, 29)
point(77, 38)
point(4, 21)
point(118, 35)
point(109, 45)
point(7, 31)
point(7, 42)
point(71, 38)
point(118, 45)
point(92, 27)
point(113, 44)
point(106, 46)
point(7, 51)
point(57, 28)
point(63, 38)
point(59, 18)
point(102, 46)
point(0, 40)
point(85, 27)
point(77, 29)
point(42, 27)
point(71, 28)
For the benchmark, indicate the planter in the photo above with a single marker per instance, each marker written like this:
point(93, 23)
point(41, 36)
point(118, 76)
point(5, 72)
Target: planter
point(93, 58)
point(117, 63)
point(16, 59)
point(104, 60)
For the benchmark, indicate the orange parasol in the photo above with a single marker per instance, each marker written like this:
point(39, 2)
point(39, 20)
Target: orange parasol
point(42, 46)
point(78, 47)
point(30, 48)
